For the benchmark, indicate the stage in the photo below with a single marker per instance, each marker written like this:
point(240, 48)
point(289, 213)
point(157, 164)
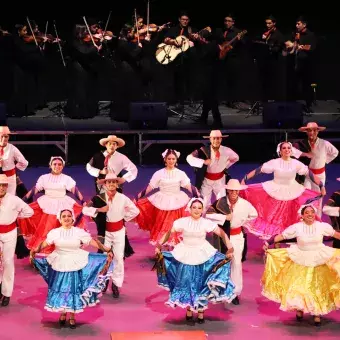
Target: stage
point(140, 307)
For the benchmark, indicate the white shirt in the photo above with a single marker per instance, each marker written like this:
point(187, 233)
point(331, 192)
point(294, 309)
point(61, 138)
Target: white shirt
point(11, 208)
point(117, 162)
point(227, 158)
point(121, 208)
point(323, 153)
point(243, 212)
point(13, 158)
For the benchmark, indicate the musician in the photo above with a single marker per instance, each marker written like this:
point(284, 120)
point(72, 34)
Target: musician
point(271, 61)
point(28, 71)
point(303, 46)
point(231, 70)
point(83, 73)
point(184, 66)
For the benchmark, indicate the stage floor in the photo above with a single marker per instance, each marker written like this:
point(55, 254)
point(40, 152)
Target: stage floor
point(141, 305)
point(325, 113)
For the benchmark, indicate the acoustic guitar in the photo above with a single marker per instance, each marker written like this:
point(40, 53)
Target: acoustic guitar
point(227, 46)
point(166, 54)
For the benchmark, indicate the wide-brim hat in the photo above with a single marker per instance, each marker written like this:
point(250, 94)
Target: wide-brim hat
point(110, 176)
point(4, 130)
point(234, 184)
point(216, 133)
point(3, 179)
point(312, 125)
point(112, 138)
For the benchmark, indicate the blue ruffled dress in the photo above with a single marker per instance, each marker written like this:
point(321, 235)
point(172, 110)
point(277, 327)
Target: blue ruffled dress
point(75, 277)
point(189, 268)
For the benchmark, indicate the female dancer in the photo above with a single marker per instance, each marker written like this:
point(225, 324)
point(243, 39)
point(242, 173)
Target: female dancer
point(195, 272)
point(159, 210)
point(74, 276)
point(56, 185)
point(277, 201)
point(305, 277)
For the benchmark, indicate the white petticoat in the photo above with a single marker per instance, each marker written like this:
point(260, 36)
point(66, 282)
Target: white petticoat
point(68, 261)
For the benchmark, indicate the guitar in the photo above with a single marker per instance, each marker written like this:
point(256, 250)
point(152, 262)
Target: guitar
point(227, 45)
point(166, 54)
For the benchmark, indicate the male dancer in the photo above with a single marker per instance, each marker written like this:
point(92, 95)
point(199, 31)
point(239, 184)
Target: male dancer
point(211, 164)
point(232, 213)
point(116, 208)
point(12, 207)
point(107, 161)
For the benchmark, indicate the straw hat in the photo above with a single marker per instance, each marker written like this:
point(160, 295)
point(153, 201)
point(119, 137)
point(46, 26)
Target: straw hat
point(110, 176)
point(234, 184)
point(3, 179)
point(112, 138)
point(216, 133)
point(312, 125)
point(4, 130)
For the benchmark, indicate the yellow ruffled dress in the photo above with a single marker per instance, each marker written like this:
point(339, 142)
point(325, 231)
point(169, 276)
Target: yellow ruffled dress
point(305, 276)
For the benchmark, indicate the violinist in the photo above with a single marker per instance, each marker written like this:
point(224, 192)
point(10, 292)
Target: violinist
point(270, 61)
point(302, 46)
point(28, 71)
point(83, 71)
point(232, 65)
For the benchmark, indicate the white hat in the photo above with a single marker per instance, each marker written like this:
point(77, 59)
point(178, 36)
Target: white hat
point(112, 138)
point(312, 125)
point(3, 179)
point(192, 201)
point(56, 157)
point(216, 133)
point(4, 130)
point(177, 153)
point(110, 176)
point(234, 184)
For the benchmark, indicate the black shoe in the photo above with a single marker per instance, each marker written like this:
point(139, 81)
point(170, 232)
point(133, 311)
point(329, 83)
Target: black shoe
point(62, 320)
point(5, 301)
point(73, 323)
point(200, 320)
point(106, 286)
point(115, 291)
point(299, 316)
point(236, 301)
point(317, 323)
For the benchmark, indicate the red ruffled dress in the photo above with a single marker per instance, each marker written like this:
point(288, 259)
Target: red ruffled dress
point(159, 211)
point(279, 200)
point(47, 207)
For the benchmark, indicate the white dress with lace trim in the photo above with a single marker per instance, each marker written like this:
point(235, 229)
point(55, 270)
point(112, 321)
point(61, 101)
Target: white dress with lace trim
point(309, 250)
point(55, 198)
point(284, 187)
point(169, 196)
point(68, 256)
point(194, 249)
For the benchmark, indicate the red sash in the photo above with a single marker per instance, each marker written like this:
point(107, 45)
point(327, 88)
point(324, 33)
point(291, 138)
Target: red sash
point(7, 228)
point(114, 226)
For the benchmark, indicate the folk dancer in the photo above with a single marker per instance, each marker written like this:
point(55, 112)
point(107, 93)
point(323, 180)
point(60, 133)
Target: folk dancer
point(231, 213)
point(11, 208)
point(107, 161)
point(317, 153)
point(118, 208)
point(332, 209)
point(211, 164)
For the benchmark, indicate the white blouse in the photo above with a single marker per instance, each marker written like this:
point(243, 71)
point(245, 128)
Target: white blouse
point(55, 198)
point(194, 249)
point(68, 256)
point(169, 182)
point(310, 250)
point(284, 187)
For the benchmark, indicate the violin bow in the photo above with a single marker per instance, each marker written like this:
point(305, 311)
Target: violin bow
point(136, 23)
point(107, 23)
point(147, 17)
point(88, 28)
point(30, 26)
point(46, 27)
point(58, 42)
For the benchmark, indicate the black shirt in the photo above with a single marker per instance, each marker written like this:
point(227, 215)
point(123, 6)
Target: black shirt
point(224, 34)
point(306, 38)
point(175, 31)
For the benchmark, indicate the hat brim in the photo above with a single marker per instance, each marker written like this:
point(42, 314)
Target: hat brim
point(240, 187)
point(305, 128)
point(102, 181)
point(120, 142)
point(223, 136)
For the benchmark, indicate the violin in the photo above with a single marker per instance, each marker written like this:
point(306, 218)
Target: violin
point(144, 31)
point(28, 38)
point(266, 35)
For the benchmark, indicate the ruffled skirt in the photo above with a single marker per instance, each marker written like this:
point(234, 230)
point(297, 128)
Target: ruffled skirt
point(158, 222)
point(40, 224)
point(274, 215)
point(76, 290)
point(314, 290)
point(195, 286)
